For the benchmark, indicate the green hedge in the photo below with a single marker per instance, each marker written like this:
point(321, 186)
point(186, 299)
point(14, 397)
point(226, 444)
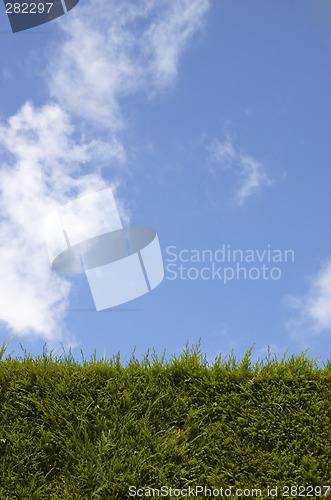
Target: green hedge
point(81, 430)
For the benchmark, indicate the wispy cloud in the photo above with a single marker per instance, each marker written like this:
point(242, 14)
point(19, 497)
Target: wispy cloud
point(319, 300)
point(250, 173)
point(115, 49)
point(312, 312)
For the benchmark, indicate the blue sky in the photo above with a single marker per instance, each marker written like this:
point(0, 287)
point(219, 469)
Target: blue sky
point(211, 122)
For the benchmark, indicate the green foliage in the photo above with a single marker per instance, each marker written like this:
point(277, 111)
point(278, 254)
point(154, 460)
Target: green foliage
point(89, 430)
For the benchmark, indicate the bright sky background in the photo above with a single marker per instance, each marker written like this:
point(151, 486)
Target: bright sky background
point(211, 122)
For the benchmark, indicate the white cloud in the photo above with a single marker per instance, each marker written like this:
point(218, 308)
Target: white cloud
point(41, 166)
point(251, 174)
point(253, 178)
point(115, 49)
point(313, 311)
point(319, 302)
point(222, 152)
